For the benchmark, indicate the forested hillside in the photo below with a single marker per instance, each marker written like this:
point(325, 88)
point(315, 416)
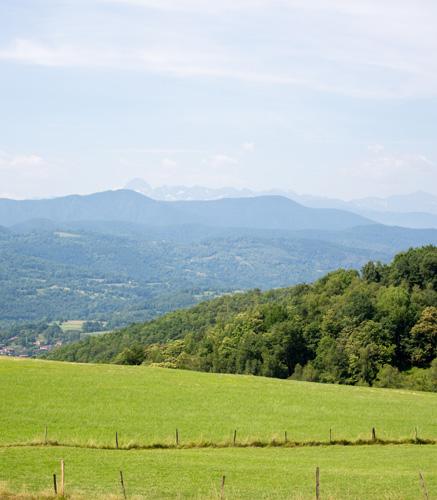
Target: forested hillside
point(123, 273)
point(377, 327)
point(84, 275)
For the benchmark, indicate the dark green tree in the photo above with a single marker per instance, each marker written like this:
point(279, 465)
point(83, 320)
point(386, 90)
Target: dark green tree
point(423, 338)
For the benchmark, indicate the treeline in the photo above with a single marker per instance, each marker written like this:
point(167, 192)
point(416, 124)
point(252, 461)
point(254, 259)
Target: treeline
point(377, 327)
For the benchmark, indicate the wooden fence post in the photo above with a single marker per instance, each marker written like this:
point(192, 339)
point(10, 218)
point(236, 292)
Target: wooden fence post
point(424, 488)
point(222, 491)
point(177, 437)
point(123, 489)
point(45, 435)
point(373, 434)
point(62, 478)
point(55, 486)
point(285, 437)
point(317, 483)
point(116, 440)
point(330, 436)
point(416, 437)
point(235, 436)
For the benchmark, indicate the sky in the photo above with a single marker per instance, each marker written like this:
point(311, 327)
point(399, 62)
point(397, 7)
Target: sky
point(335, 98)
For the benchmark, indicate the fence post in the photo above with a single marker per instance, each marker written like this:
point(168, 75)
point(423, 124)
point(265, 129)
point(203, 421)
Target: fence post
point(55, 486)
point(116, 440)
point(222, 491)
point(330, 435)
point(62, 478)
point(235, 436)
point(425, 490)
point(45, 435)
point(317, 483)
point(123, 489)
point(177, 437)
point(373, 434)
point(285, 437)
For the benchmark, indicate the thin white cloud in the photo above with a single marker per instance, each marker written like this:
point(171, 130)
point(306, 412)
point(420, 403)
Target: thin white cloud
point(29, 51)
point(178, 63)
point(159, 151)
point(368, 49)
point(205, 6)
point(186, 65)
point(211, 7)
point(21, 173)
point(21, 161)
point(385, 166)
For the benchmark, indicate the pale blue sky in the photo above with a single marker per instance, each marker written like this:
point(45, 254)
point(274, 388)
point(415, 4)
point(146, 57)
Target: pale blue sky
point(328, 97)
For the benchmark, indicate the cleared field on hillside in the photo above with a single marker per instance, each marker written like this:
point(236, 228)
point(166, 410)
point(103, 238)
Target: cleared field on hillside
point(81, 403)
point(73, 324)
point(84, 405)
point(358, 472)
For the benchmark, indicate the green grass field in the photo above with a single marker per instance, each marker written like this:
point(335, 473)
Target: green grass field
point(374, 472)
point(84, 405)
point(73, 324)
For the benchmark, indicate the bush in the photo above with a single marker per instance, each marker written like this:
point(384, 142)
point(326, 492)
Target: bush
point(130, 356)
point(389, 376)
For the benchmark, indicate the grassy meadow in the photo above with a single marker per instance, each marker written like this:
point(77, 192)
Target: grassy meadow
point(84, 405)
point(83, 402)
point(358, 472)
point(72, 325)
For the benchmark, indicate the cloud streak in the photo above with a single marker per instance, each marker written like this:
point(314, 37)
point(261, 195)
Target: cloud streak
point(21, 161)
point(361, 49)
point(384, 166)
point(158, 151)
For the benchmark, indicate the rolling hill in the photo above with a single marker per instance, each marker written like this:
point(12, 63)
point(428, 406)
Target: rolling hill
point(83, 402)
point(83, 406)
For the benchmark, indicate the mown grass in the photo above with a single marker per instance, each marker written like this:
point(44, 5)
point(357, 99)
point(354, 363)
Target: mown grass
point(85, 404)
point(389, 472)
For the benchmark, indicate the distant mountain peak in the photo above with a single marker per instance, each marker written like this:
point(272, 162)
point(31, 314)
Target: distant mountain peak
point(187, 193)
point(417, 209)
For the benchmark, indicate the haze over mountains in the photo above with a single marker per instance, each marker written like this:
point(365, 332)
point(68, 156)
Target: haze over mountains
point(264, 212)
point(417, 210)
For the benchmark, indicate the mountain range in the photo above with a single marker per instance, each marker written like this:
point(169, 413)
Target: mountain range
point(264, 212)
point(417, 210)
